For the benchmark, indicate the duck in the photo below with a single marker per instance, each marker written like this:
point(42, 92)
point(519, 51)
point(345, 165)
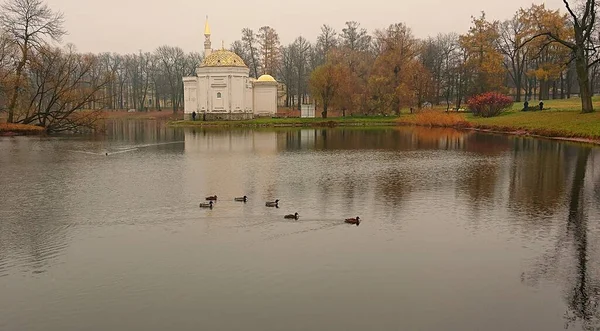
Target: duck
point(206, 205)
point(353, 221)
point(211, 198)
point(292, 216)
point(272, 203)
point(242, 199)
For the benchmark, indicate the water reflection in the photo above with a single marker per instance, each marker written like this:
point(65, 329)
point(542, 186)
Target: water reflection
point(448, 214)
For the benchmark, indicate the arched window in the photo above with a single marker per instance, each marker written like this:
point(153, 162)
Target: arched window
point(218, 95)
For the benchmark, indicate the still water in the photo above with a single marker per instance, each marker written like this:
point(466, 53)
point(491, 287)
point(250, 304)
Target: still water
point(460, 231)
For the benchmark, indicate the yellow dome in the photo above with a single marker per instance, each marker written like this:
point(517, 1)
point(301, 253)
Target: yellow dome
point(223, 58)
point(266, 78)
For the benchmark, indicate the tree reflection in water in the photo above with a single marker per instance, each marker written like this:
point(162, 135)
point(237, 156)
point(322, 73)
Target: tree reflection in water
point(582, 284)
point(584, 293)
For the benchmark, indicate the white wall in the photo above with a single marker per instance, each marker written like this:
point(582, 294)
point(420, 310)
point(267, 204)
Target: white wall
point(190, 95)
point(230, 82)
point(265, 98)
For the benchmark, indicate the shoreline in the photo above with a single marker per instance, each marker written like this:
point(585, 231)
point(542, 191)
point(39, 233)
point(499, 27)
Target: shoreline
point(288, 123)
point(393, 121)
point(526, 133)
point(12, 130)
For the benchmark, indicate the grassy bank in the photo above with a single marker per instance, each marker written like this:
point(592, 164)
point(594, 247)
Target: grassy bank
point(142, 115)
point(9, 129)
point(563, 119)
point(560, 119)
point(567, 124)
point(295, 122)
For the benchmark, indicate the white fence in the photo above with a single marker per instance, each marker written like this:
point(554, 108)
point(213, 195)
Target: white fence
point(307, 111)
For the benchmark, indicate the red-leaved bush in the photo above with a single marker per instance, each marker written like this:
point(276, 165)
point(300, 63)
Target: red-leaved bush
point(489, 104)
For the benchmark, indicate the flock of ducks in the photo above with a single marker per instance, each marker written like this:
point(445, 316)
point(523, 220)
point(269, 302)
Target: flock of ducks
point(274, 204)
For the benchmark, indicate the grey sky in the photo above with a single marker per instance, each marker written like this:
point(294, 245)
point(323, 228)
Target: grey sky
point(125, 26)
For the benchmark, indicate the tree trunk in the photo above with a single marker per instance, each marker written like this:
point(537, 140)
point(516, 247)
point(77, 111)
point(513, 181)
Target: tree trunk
point(518, 86)
point(562, 86)
point(13, 100)
point(584, 82)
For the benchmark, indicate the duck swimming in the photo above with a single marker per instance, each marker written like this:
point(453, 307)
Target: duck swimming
point(206, 205)
point(242, 199)
point(211, 198)
point(272, 203)
point(353, 221)
point(292, 216)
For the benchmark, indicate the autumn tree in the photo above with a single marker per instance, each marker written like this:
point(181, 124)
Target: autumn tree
point(395, 69)
point(268, 39)
point(29, 24)
point(547, 59)
point(583, 42)
point(482, 56)
point(329, 84)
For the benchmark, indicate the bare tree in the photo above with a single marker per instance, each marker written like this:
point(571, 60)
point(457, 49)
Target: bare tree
point(61, 82)
point(327, 40)
point(250, 45)
point(287, 72)
point(172, 65)
point(8, 50)
point(510, 44)
point(238, 48)
point(302, 52)
point(28, 23)
point(355, 38)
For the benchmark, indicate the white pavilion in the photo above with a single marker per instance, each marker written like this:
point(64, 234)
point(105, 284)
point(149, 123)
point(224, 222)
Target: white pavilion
point(223, 90)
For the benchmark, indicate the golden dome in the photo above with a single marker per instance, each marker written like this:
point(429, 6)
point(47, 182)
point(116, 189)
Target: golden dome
point(223, 58)
point(266, 78)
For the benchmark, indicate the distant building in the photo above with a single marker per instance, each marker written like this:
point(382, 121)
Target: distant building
point(223, 90)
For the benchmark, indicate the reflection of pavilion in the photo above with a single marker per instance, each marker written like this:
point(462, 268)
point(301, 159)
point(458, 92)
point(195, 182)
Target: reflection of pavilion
point(243, 141)
point(235, 161)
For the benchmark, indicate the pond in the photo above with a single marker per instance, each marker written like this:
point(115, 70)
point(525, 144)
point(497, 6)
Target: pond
point(460, 230)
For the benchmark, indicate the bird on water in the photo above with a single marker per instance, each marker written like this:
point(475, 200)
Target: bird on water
point(272, 203)
point(292, 216)
point(353, 221)
point(206, 205)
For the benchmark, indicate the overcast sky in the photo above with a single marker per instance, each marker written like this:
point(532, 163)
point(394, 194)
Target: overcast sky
point(125, 26)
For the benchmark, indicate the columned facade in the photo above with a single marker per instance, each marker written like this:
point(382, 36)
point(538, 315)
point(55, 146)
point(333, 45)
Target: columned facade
point(223, 90)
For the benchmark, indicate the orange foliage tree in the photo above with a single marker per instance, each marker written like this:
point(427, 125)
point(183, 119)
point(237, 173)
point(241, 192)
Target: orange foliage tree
point(397, 78)
point(483, 57)
point(582, 41)
point(331, 86)
point(547, 58)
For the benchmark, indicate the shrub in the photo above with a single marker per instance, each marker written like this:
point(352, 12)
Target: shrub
point(440, 119)
point(489, 104)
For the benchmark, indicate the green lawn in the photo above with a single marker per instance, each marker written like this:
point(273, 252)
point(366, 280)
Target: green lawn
point(564, 118)
point(273, 122)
